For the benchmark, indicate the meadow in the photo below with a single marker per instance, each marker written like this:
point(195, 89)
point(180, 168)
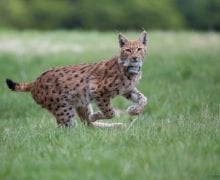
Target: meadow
point(176, 137)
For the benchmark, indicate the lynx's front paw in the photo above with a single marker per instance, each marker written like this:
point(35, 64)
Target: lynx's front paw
point(134, 110)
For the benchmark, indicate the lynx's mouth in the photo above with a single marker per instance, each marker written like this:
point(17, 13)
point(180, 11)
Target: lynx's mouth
point(134, 69)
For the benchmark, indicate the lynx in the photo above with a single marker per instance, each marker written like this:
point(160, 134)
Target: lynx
point(69, 90)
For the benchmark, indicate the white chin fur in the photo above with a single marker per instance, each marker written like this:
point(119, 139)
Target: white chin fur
point(132, 67)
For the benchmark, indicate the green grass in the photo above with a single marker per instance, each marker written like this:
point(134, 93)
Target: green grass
point(177, 136)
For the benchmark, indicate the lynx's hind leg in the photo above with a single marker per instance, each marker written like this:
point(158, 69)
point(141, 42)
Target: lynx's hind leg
point(84, 113)
point(64, 116)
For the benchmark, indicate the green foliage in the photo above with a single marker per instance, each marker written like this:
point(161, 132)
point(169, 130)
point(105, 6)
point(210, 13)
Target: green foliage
point(129, 14)
point(177, 136)
point(38, 14)
point(90, 14)
point(201, 14)
point(114, 14)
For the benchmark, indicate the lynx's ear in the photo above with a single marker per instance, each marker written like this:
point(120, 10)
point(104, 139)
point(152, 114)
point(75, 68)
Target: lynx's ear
point(143, 38)
point(122, 39)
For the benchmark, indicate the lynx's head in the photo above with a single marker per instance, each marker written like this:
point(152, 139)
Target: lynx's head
point(132, 52)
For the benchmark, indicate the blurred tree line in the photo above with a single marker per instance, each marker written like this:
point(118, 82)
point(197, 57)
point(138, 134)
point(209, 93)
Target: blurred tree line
point(110, 14)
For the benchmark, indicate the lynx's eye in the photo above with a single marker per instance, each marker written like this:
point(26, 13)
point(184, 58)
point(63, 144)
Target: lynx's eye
point(139, 49)
point(128, 50)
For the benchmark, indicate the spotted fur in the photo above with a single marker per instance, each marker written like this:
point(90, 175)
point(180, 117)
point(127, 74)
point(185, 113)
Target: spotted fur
point(65, 91)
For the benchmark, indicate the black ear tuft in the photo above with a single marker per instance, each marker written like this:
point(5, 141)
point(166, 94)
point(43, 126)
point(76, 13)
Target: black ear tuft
point(11, 84)
point(143, 38)
point(122, 39)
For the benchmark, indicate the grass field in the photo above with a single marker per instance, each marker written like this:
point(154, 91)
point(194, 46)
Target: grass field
point(177, 136)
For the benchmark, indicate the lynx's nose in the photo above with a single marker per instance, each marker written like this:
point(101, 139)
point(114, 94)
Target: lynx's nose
point(134, 59)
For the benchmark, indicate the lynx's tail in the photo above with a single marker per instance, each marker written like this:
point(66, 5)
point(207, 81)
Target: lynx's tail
point(18, 87)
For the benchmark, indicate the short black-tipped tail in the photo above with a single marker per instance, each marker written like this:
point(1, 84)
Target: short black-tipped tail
point(19, 87)
point(11, 84)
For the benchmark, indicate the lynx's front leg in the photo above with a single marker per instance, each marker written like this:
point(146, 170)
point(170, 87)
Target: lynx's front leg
point(139, 99)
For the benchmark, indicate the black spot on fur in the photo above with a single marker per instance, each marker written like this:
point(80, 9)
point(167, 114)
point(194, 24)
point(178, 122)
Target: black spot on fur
point(44, 73)
point(63, 105)
point(49, 107)
point(49, 79)
point(61, 75)
point(128, 96)
point(105, 72)
point(11, 84)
